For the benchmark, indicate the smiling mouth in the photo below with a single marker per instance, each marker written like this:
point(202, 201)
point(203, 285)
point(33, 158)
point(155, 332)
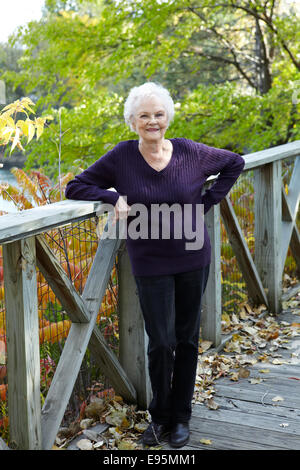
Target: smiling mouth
point(152, 130)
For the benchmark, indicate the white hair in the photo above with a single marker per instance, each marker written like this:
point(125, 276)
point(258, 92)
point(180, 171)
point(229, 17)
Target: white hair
point(138, 93)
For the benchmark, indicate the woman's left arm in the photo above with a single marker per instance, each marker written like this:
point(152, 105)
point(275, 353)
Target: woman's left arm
point(228, 165)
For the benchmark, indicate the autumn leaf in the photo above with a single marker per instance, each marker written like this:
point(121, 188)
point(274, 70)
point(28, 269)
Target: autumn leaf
point(255, 381)
point(244, 373)
point(278, 398)
point(206, 441)
point(126, 445)
point(212, 405)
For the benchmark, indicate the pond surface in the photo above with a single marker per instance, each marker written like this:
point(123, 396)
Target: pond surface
point(7, 177)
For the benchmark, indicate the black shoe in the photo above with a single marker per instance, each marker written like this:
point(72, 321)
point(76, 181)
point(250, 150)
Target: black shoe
point(154, 434)
point(180, 434)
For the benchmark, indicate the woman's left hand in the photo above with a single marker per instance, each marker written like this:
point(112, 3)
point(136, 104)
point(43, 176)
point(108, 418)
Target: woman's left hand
point(121, 210)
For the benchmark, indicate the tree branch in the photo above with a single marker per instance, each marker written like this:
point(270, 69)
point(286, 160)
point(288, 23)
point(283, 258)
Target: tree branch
point(229, 47)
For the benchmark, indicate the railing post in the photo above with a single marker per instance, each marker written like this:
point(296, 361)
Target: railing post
point(212, 299)
point(267, 233)
point(133, 340)
point(23, 354)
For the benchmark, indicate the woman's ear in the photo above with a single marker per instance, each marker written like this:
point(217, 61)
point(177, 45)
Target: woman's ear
point(132, 124)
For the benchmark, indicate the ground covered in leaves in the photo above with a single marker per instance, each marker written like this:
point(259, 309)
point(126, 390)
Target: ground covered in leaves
point(254, 336)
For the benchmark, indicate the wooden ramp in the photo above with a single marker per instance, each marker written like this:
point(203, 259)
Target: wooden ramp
point(262, 416)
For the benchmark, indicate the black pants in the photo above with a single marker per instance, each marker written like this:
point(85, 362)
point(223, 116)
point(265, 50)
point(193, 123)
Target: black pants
point(171, 307)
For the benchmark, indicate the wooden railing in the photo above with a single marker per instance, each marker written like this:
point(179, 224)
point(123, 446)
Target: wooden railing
point(24, 247)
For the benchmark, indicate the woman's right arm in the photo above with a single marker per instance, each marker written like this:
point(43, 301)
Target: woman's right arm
point(93, 183)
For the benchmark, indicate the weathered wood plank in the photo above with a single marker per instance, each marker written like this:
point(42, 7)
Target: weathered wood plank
point(43, 218)
point(228, 435)
point(60, 283)
point(273, 154)
point(76, 345)
point(243, 407)
point(290, 233)
point(263, 396)
point(256, 418)
point(295, 245)
point(267, 233)
point(212, 298)
point(133, 340)
point(3, 445)
point(22, 333)
point(242, 253)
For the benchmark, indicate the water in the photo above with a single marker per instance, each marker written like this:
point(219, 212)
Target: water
point(7, 177)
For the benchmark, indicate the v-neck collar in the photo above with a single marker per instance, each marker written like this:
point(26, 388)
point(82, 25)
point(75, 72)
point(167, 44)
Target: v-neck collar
point(170, 163)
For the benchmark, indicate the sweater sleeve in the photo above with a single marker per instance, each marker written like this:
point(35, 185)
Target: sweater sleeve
point(228, 166)
point(93, 183)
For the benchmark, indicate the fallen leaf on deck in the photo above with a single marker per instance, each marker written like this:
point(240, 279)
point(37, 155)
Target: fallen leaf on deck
point(205, 345)
point(279, 361)
point(212, 405)
point(84, 444)
point(255, 381)
point(126, 445)
point(278, 398)
point(234, 376)
point(244, 373)
point(205, 441)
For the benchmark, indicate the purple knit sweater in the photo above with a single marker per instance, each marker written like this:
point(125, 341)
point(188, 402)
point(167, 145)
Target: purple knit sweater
point(181, 181)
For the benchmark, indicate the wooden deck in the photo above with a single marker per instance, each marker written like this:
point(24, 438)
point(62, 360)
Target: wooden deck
point(248, 417)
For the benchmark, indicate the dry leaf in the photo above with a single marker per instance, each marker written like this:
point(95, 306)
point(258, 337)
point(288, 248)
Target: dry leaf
point(84, 444)
point(205, 345)
point(250, 330)
point(141, 427)
point(205, 441)
point(86, 423)
point(278, 398)
point(255, 381)
point(244, 373)
point(98, 444)
point(126, 445)
point(212, 405)
point(234, 376)
point(279, 361)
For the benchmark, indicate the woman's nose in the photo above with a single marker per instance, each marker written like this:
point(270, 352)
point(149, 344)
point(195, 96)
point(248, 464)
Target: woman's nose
point(153, 118)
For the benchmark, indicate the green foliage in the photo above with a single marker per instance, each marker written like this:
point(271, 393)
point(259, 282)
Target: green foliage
point(84, 55)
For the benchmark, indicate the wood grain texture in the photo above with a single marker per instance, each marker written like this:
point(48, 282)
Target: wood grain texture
point(23, 354)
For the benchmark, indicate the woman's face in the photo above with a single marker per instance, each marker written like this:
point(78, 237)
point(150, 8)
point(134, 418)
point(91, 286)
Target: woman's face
point(150, 120)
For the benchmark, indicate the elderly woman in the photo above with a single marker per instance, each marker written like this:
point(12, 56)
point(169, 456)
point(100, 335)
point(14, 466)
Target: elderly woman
point(170, 274)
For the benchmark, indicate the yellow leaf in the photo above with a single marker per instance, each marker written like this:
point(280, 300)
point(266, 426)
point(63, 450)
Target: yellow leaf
point(23, 126)
point(31, 130)
point(39, 130)
point(205, 441)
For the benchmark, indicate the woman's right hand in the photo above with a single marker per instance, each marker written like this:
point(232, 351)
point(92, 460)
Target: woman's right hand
point(121, 210)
